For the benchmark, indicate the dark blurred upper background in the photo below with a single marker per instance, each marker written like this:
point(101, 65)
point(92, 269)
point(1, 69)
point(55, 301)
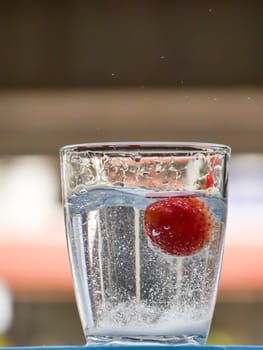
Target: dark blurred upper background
point(83, 71)
point(79, 71)
point(72, 44)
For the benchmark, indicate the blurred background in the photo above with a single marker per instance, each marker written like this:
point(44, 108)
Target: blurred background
point(82, 71)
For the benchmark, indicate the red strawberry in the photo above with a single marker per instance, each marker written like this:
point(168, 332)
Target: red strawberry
point(179, 226)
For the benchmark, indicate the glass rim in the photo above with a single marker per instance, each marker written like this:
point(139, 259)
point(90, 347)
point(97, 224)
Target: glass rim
point(183, 146)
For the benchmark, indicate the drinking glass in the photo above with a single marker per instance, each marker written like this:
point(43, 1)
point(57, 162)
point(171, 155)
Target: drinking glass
point(145, 226)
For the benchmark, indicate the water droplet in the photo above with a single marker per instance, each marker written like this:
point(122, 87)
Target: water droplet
point(167, 227)
point(249, 98)
point(210, 10)
point(182, 82)
point(113, 74)
point(214, 99)
point(162, 57)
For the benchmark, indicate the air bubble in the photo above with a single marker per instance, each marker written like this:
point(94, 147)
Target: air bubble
point(155, 233)
point(137, 158)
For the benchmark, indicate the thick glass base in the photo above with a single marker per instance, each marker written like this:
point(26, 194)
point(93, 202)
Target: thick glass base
point(183, 340)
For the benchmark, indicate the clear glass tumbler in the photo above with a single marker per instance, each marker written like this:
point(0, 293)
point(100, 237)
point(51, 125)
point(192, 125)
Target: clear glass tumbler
point(145, 227)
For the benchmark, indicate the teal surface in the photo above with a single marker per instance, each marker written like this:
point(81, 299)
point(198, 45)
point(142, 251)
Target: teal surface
point(219, 347)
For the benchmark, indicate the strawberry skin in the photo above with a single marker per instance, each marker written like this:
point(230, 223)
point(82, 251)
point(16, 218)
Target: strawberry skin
point(209, 180)
point(179, 226)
